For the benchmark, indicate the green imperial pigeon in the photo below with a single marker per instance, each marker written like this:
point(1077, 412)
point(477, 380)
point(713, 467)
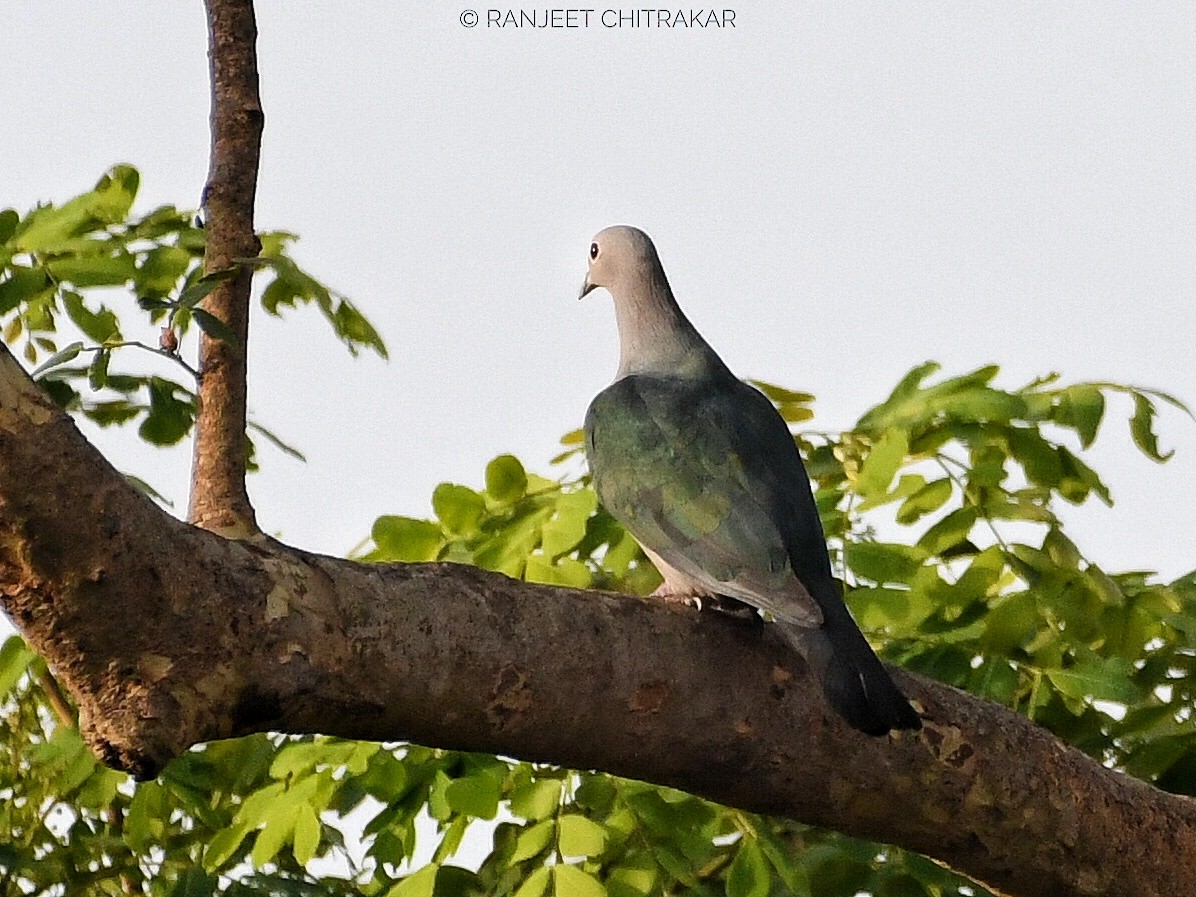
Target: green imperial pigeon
point(703, 472)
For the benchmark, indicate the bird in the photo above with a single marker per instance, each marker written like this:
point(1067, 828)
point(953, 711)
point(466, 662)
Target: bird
point(701, 469)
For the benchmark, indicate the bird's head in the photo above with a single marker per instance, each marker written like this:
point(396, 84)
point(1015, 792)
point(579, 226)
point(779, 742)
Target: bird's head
point(620, 255)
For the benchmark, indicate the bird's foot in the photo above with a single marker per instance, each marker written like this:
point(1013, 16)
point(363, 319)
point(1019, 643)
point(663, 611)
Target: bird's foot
point(685, 599)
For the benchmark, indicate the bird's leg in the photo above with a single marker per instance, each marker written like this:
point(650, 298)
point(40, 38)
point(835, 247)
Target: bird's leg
point(678, 587)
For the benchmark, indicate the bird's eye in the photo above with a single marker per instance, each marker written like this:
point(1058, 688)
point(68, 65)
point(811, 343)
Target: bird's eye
point(593, 250)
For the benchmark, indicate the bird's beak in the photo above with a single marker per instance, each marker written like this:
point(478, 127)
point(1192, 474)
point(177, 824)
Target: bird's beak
point(586, 287)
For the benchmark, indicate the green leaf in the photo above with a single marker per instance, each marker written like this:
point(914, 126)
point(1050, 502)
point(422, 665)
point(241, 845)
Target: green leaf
point(97, 371)
point(13, 329)
point(1039, 458)
point(203, 286)
point(146, 817)
point(1010, 623)
point(307, 834)
point(882, 463)
point(115, 192)
point(405, 539)
point(883, 562)
point(23, 285)
point(749, 875)
point(274, 243)
point(1142, 428)
point(1082, 407)
point(635, 876)
point(1100, 681)
point(274, 440)
point(117, 411)
point(388, 848)
point(567, 526)
point(160, 270)
point(355, 330)
point(876, 607)
point(170, 417)
point(214, 327)
point(280, 823)
point(506, 480)
point(566, 572)
point(8, 224)
point(838, 874)
point(926, 500)
point(1080, 479)
point(50, 228)
point(15, 658)
point(903, 885)
point(457, 881)
point(61, 357)
point(89, 270)
point(580, 837)
point(910, 383)
point(780, 394)
point(438, 806)
point(458, 508)
point(571, 881)
point(194, 882)
point(533, 841)
point(421, 883)
point(537, 799)
point(475, 795)
point(793, 406)
point(781, 857)
point(1061, 549)
point(949, 532)
point(535, 884)
point(223, 846)
point(100, 788)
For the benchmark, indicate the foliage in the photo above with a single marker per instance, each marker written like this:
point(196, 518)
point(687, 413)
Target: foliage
point(940, 505)
point(60, 262)
point(1100, 659)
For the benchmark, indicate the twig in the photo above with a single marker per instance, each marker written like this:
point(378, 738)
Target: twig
point(63, 711)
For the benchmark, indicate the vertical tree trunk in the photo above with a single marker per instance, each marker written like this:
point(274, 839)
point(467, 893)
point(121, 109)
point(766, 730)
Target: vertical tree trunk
point(219, 500)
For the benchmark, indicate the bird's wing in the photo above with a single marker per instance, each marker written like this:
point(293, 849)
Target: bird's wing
point(706, 475)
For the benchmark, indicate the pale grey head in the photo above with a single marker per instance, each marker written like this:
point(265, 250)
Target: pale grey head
point(654, 334)
point(623, 260)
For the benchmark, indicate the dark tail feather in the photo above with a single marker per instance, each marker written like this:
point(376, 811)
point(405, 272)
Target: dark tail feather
point(852, 676)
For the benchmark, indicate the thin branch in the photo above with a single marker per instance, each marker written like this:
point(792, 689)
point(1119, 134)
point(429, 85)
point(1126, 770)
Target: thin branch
point(219, 500)
point(156, 350)
point(63, 711)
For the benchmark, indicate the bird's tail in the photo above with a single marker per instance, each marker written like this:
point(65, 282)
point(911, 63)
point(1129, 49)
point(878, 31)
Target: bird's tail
point(853, 678)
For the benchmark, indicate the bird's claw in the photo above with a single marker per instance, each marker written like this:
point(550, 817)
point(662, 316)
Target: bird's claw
point(681, 598)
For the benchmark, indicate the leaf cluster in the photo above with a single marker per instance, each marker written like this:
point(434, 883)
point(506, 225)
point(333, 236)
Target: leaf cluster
point(941, 506)
point(77, 279)
point(941, 510)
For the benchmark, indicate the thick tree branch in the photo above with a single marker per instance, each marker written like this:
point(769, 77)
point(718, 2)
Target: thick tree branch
point(219, 500)
point(168, 635)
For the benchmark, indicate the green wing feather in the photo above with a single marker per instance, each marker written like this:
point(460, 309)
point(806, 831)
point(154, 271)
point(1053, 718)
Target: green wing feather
point(696, 471)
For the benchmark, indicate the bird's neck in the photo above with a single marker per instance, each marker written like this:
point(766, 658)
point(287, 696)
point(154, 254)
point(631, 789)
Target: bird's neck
point(655, 337)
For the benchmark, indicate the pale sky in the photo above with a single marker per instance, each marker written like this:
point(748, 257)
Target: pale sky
point(839, 191)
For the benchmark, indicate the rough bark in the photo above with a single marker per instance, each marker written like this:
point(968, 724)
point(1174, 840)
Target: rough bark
point(167, 635)
point(219, 500)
